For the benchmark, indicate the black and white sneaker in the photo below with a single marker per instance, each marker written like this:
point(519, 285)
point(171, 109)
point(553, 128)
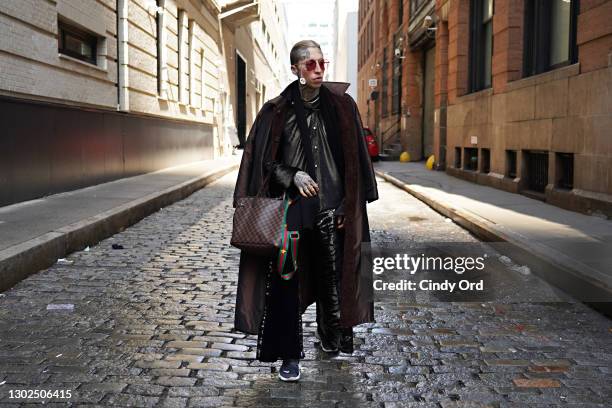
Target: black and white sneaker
point(326, 348)
point(289, 370)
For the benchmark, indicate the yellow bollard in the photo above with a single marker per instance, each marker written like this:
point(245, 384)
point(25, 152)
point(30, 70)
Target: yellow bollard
point(430, 162)
point(404, 157)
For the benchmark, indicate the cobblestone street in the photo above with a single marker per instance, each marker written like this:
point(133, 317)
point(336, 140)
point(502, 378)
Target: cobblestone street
point(152, 326)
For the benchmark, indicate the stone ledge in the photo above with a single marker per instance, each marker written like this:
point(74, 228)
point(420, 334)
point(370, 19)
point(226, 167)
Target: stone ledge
point(553, 75)
point(473, 96)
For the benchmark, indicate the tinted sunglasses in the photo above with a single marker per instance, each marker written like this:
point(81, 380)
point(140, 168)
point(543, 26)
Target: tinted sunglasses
point(311, 64)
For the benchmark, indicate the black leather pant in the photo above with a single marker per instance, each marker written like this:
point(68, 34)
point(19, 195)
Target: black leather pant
point(280, 332)
point(329, 250)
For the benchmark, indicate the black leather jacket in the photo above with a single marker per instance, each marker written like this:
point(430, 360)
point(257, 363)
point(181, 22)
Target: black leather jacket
point(292, 159)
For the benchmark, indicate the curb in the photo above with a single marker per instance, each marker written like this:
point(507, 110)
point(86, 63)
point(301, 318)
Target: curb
point(550, 265)
point(22, 260)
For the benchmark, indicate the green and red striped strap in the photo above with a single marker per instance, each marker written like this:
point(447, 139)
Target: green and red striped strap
point(289, 242)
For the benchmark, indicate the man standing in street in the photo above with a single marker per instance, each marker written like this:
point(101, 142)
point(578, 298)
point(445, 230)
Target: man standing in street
point(310, 141)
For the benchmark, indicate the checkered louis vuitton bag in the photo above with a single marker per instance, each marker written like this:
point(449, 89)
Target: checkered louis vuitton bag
point(259, 224)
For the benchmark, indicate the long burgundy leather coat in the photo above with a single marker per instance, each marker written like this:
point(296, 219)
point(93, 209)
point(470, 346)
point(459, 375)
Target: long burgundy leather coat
point(262, 146)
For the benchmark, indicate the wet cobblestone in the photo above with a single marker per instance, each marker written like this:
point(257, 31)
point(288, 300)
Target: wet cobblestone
point(152, 327)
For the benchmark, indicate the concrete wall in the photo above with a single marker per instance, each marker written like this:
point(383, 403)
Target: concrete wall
point(66, 148)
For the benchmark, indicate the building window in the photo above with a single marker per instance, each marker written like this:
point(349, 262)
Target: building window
point(511, 163)
point(183, 57)
point(367, 37)
point(202, 80)
point(400, 11)
point(190, 61)
point(371, 36)
point(415, 5)
point(481, 44)
point(162, 55)
point(397, 81)
point(485, 166)
point(77, 43)
point(550, 35)
point(384, 84)
point(565, 170)
point(457, 157)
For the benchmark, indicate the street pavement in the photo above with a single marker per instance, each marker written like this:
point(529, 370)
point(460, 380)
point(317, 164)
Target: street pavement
point(151, 324)
point(35, 233)
point(573, 248)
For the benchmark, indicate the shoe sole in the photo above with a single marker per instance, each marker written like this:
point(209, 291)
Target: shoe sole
point(289, 379)
point(328, 350)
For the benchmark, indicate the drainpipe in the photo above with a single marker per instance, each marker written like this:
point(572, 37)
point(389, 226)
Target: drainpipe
point(224, 77)
point(122, 56)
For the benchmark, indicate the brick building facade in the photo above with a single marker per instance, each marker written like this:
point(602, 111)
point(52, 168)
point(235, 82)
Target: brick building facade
point(514, 94)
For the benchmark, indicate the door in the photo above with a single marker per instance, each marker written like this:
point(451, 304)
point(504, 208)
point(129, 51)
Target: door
point(428, 102)
point(241, 99)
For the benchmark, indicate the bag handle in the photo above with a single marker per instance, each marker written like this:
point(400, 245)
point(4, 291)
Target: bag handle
point(289, 243)
point(264, 185)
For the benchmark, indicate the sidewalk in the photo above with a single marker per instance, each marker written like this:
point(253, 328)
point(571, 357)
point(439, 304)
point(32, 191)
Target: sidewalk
point(35, 234)
point(569, 249)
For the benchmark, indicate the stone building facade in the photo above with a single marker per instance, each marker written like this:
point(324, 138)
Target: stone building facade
point(96, 90)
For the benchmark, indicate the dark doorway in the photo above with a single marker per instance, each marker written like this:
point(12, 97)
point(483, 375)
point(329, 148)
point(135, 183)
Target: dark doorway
point(241, 99)
point(428, 102)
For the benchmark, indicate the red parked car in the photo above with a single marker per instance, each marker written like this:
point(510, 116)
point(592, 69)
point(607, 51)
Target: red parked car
point(371, 143)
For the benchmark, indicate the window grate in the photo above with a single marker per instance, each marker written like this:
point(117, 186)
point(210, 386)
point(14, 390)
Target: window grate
point(537, 171)
point(471, 159)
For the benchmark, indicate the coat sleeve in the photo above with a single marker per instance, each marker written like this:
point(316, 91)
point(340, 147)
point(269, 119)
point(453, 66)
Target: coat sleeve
point(365, 163)
point(282, 174)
